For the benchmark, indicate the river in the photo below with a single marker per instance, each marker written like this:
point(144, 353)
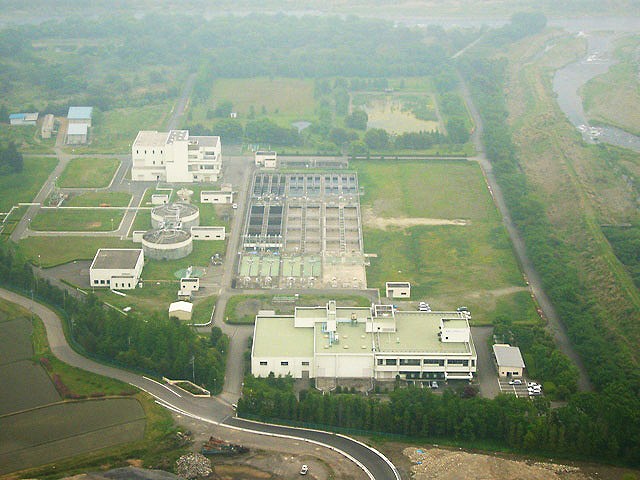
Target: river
point(568, 81)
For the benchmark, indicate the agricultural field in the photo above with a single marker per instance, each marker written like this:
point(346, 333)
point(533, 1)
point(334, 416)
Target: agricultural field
point(88, 173)
point(434, 224)
point(614, 97)
point(72, 220)
point(24, 186)
point(242, 309)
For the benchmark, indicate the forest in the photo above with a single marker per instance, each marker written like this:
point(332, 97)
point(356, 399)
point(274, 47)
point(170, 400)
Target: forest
point(11, 160)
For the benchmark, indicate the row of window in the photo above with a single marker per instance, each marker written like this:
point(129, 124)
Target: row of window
point(108, 282)
point(153, 152)
point(426, 361)
point(264, 363)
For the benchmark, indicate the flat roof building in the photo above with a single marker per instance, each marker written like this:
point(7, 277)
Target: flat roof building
point(363, 342)
point(398, 289)
point(23, 118)
point(181, 310)
point(175, 156)
point(509, 360)
point(80, 115)
point(116, 268)
point(266, 159)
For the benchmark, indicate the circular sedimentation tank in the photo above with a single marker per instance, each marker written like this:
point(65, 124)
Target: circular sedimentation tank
point(171, 214)
point(167, 244)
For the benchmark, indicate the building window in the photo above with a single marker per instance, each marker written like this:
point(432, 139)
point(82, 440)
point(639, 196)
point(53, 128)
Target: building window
point(410, 361)
point(305, 364)
point(101, 282)
point(263, 363)
point(391, 361)
point(458, 362)
point(473, 363)
point(96, 282)
point(284, 364)
point(380, 361)
point(433, 361)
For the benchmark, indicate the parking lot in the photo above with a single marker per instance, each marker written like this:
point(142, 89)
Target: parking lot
point(517, 390)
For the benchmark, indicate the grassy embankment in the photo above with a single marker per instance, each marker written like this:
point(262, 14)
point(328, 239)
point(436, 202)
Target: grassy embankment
point(468, 264)
point(614, 97)
point(580, 188)
point(24, 186)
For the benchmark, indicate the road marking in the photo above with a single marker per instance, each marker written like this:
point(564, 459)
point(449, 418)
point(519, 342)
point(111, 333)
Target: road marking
point(162, 385)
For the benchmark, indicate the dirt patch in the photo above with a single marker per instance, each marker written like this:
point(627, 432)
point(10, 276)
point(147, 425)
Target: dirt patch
point(371, 220)
point(229, 472)
point(436, 463)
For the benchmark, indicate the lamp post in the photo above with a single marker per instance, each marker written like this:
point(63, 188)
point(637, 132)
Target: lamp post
point(193, 367)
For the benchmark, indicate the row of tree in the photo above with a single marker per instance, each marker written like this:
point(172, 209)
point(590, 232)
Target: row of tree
point(594, 426)
point(157, 345)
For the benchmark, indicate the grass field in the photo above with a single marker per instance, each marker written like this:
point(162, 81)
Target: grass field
point(27, 138)
point(469, 264)
point(160, 270)
point(88, 173)
point(151, 298)
point(97, 199)
point(50, 251)
point(94, 220)
point(283, 100)
point(24, 186)
point(115, 130)
point(614, 97)
point(242, 309)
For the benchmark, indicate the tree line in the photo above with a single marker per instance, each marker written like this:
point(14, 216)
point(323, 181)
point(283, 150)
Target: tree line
point(602, 426)
point(157, 345)
point(11, 160)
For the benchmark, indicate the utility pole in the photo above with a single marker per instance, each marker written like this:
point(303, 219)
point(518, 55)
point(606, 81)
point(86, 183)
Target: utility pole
point(193, 367)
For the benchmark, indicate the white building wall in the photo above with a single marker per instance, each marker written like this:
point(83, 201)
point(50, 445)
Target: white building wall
point(207, 196)
point(294, 366)
point(344, 365)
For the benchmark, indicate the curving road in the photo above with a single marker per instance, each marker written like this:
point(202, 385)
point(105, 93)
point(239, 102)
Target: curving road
point(211, 410)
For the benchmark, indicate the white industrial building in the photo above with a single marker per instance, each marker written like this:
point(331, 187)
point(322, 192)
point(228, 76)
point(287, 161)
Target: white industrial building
point(80, 115)
point(175, 156)
point(398, 289)
point(116, 268)
point(224, 195)
point(77, 134)
point(266, 159)
point(361, 342)
point(509, 360)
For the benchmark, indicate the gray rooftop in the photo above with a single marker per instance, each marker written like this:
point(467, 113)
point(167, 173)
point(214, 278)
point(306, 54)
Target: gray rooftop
point(508, 356)
point(277, 336)
point(150, 138)
point(80, 113)
point(205, 141)
point(116, 258)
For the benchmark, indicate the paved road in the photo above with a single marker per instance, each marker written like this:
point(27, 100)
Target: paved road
point(181, 104)
point(212, 410)
point(555, 325)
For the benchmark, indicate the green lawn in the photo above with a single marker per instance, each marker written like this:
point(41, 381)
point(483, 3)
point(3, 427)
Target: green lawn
point(96, 199)
point(202, 309)
point(448, 265)
point(88, 173)
point(27, 138)
point(151, 298)
point(51, 251)
point(24, 186)
point(94, 220)
point(159, 270)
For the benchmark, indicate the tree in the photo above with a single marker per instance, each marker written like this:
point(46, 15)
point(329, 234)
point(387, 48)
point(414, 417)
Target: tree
point(230, 130)
point(223, 109)
point(358, 120)
point(376, 139)
point(11, 160)
point(4, 114)
point(457, 131)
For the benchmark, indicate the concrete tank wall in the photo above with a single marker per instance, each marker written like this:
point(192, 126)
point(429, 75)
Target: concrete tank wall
point(167, 251)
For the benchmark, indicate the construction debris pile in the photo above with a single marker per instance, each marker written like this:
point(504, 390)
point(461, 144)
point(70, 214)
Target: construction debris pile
point(193, 465)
